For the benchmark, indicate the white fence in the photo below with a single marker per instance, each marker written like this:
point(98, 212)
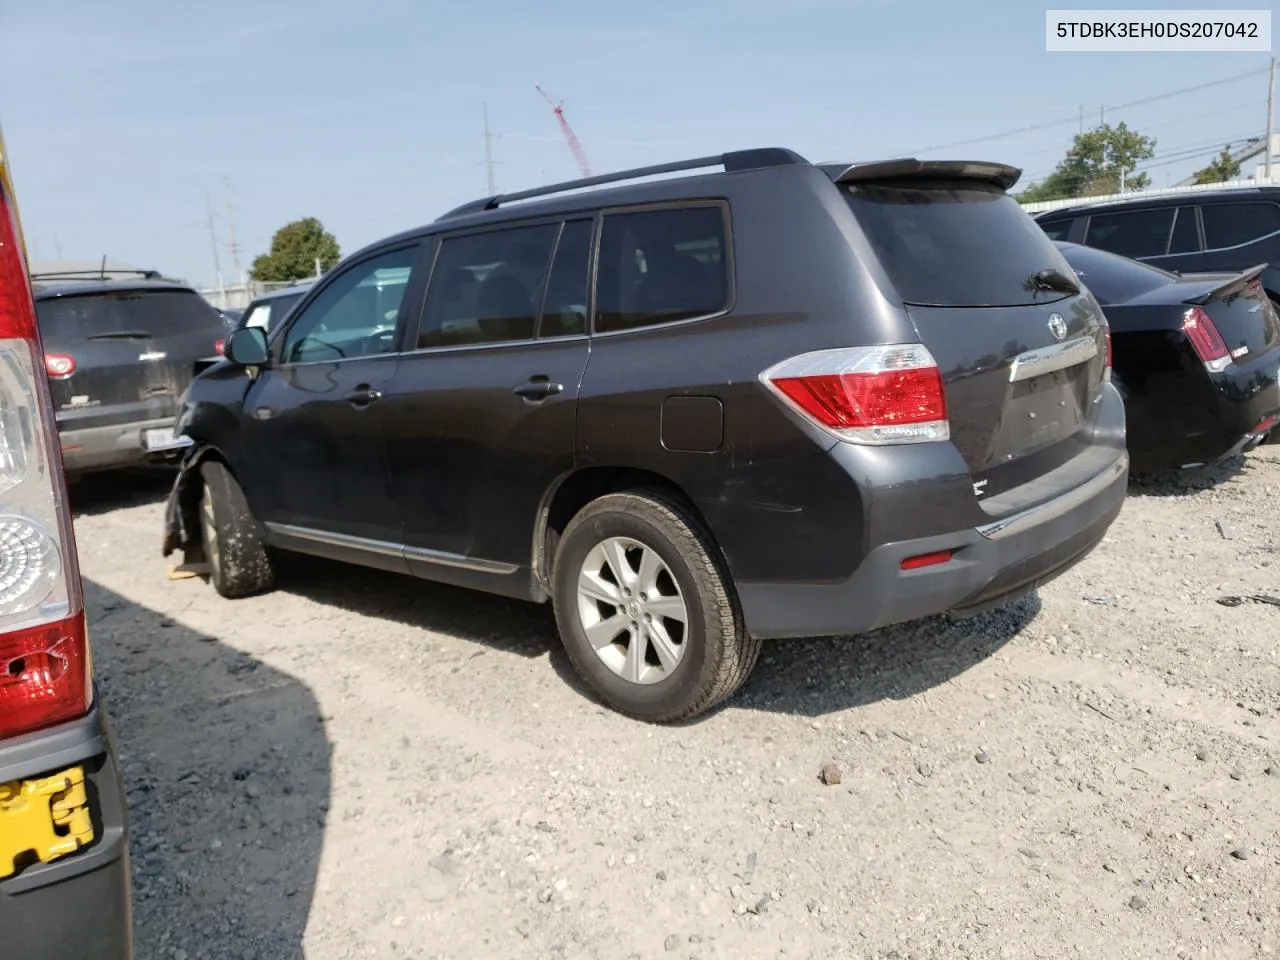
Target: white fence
point(237, 296)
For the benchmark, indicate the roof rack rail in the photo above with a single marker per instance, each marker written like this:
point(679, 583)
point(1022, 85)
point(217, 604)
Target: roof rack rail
point(110, 273)
point(733, 161)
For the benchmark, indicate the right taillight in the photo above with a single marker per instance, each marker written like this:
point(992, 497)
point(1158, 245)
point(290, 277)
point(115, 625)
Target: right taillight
point(44, 655)
point(1205, 339)
point(874, 395)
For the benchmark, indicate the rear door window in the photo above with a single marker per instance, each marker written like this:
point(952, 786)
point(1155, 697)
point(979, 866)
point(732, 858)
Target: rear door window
point(486, 287)
point(1134, 233)
point(126, 315)
point(955, 243)
point(1112, 278)
point(661, 266)
point(1186, 235)
point(1231, 224)
point(564, 309)
point(1058, 229)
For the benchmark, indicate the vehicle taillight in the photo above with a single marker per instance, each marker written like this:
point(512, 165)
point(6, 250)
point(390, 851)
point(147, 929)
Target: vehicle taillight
point(874, 395)
point(45, 675)
point(59, 365)
point(1204, 337)
point(218, 346)
point(1107, 362)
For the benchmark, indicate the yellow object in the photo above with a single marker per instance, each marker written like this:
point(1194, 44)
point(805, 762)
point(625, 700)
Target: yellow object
point(45, 819)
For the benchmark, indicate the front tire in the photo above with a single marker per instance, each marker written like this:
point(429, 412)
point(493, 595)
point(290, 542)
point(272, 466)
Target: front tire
point(239, 565)
point(646, 609)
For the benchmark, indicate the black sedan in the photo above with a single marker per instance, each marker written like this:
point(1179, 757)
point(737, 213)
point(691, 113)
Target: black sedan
point(1196, 357)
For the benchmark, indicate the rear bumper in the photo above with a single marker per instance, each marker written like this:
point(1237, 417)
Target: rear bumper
point(78, 906)
point(117, 445)
point(990, 564)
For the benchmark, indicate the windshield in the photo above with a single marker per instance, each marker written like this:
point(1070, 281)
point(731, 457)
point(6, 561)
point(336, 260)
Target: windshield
point(143, 313)
point(955, 242)
point(267, 314)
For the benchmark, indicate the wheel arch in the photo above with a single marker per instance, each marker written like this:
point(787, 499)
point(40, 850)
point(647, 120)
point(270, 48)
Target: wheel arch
point(182, 515)
point(574, 491)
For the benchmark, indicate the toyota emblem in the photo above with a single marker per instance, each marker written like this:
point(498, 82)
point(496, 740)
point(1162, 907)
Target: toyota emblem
point(1057, 326)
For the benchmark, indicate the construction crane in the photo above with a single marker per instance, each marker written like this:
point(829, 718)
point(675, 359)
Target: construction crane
point(570, 137)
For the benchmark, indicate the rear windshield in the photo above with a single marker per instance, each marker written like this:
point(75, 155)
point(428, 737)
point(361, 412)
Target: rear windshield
point(151, 313)
point(955, 243)
point(267, 314)
point(1111, 278)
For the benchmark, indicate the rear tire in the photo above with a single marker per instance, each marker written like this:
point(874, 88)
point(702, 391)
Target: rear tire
point(239, 565)
point(646, 609)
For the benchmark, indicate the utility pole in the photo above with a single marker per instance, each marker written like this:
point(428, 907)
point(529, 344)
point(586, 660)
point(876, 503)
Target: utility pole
point(1102, 115)
point(1271, 121)
point(57, 247)
point(1082, 119)
point(488, 152)
point(213, 243)
point(231, 234)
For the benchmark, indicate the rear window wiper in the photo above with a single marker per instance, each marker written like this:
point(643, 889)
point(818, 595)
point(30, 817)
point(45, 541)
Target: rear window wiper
point(1051, 279)
point(121, 335)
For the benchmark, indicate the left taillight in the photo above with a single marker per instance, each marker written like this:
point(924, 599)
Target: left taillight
point(45, 674)
point(873, 395)
point(219, 346)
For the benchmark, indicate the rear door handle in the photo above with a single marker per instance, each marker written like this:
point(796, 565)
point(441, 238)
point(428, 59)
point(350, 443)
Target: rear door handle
point(363, 395)
point(537, 390)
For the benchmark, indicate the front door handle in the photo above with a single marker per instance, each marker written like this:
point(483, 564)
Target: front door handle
point(363, 395)
point(538, 389)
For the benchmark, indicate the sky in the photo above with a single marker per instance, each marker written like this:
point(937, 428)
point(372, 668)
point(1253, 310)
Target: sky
point(128, 122)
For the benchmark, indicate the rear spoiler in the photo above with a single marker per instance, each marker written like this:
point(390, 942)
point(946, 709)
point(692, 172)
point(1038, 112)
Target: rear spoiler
point(1232, 285)
point(1001, 174)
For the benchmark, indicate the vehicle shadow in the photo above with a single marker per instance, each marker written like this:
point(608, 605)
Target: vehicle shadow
point(227, 768)
point(504, 624)
point(97, 493)
point(806, 677)
point(816, 677)
point(1179, 483)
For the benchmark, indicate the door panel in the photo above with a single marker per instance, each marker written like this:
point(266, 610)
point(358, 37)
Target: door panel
point(480, 429)
point(313, 453)
point(314, 458)
point(469, 457)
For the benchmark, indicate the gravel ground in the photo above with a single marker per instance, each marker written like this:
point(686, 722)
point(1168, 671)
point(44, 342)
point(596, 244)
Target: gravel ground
point(360, 765)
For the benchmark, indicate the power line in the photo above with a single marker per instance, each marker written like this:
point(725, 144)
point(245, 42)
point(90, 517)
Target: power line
point(1075, 118)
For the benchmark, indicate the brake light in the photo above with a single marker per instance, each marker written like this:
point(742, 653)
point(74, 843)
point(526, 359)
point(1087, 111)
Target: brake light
point(44, 655)
point(1108, 363)
point(926, 560)
point(59, 365)
point(1205, 339)
point(873, 395)
point(218, 346)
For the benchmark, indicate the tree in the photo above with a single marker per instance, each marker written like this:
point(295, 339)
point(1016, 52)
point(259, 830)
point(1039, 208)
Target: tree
point(1223, 168)
point(294, 250)
point(1099, 161)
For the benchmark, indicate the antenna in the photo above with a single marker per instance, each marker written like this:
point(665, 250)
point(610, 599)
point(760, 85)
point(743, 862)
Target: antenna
point(567, 131)
point(103, 270)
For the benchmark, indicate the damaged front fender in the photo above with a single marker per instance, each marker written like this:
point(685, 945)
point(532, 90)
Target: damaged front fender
point(182, 511)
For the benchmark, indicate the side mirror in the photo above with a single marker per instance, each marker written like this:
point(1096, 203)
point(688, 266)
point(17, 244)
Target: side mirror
point(247, 347)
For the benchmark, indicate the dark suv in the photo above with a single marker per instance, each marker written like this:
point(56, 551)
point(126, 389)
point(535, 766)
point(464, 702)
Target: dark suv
point(118, 354)
point(778, 399)
point(1211, 231)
